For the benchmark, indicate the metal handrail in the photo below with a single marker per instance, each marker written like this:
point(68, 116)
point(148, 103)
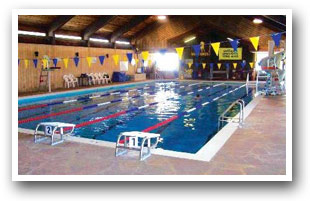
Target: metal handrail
point(223, 118)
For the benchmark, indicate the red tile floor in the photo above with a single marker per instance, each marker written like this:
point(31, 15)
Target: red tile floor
point(256, 149)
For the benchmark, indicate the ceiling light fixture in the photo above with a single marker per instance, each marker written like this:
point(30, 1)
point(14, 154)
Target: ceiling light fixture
point(257, 21)
point(31, 33)
point(161, 17)
point(99, 40)
point(190, 39)
point(68, 37)
point(122, 42)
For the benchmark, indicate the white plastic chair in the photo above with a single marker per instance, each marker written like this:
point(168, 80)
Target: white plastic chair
point(67, 81)
point(92, 80)
point(99, 78)
point(73, 80)
point(106, 77)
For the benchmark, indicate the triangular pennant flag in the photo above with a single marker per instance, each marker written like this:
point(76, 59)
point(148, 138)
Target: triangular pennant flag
point(196, 64)
point(211, 65)
point(227, 65)
point(196, 49)
point(255, 41)
point(276, 38)
point(137, 61)
point(145, 55)
point(76, 61)
point(235, 65)
point(219, 65)
point(251, 64)
point(44, 61)
point(26, 63)
point(65, 60)
point(234, 44)
point(129, 57)
point(204, 65)
point(18, 61)
point(180, 52)
point(35, 62)
point(101, 59)
point(190, 64)
point(89, 60)
point(55, 62)
point(116, 59)
point(216, 47)
point(243, 63)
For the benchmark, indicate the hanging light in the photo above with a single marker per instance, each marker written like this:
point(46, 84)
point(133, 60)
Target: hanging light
point(257, 21)
point(161, 17)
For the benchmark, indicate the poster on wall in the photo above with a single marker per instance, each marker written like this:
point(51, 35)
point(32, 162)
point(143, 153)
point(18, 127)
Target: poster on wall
point(124, 66)
point(230, 54)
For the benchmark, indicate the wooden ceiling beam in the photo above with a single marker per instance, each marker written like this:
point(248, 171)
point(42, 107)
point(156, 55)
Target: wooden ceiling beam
point(95, 26)
point(127, 27)
point(58, 23)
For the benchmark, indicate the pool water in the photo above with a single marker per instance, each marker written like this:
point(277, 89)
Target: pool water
point(188, 133)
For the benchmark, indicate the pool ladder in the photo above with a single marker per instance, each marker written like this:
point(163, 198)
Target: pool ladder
point(225, 118)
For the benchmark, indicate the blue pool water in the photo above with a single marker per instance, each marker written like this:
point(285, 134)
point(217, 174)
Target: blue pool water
point(185, 134)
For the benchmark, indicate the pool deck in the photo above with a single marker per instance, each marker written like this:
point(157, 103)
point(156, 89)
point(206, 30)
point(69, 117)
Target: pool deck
point(259, 148)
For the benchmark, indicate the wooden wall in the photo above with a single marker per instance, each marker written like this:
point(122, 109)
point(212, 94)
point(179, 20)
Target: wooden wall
point(28, 78)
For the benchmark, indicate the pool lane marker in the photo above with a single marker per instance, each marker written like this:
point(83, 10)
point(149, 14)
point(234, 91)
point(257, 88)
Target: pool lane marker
point(198, 106)
point(80, 108)
point(90, 97)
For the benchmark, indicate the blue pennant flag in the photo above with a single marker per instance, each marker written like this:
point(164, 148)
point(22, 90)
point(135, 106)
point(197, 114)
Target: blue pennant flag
point(276, 38)
point(196, 64)
point(227, 65)
point(55, 62)
point(18, 61)
point(129, 57)
point(76, 61)
point(243, 63)
point(234, 44)
point(101, 59)
point(196, 49)
point(35, 62)
point(211, 65)
point(163, 51)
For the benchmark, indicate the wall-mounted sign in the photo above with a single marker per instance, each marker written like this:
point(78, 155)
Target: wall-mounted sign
point(230, 54)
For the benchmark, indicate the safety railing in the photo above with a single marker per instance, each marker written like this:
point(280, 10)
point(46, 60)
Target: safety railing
point(225, 118)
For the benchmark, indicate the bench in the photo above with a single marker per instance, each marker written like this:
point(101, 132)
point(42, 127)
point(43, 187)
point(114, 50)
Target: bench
point(135, 140)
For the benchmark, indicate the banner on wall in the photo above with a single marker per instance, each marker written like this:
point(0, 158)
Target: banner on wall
point(230, 54)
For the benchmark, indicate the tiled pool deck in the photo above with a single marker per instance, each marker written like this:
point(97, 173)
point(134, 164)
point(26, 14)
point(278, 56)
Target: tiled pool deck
point(256, 149)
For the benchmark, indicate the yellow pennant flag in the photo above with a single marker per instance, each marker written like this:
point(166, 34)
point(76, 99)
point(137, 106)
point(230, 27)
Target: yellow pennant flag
point(235, 65)
point(89, 60)
point(65, 60)
point(137, 61)
point(179, 51)
point(255, 41)
point(204, 65)
point(116, 59)
point(44, 61)
point(219, 65)
point(216, 47)
point(251, 64)
point(145, 55)
point(190, 64)
point(26, 63)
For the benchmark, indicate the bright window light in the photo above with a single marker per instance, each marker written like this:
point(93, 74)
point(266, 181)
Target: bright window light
point(31, 33)
point(161, 17)
point(167, 62)
point(99, 40)
point(257, 21)
point(190, 39)
point(68, 37)
point(122, 42)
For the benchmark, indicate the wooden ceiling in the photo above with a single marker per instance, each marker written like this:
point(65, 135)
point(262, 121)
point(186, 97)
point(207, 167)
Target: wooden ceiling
point(136, 28)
